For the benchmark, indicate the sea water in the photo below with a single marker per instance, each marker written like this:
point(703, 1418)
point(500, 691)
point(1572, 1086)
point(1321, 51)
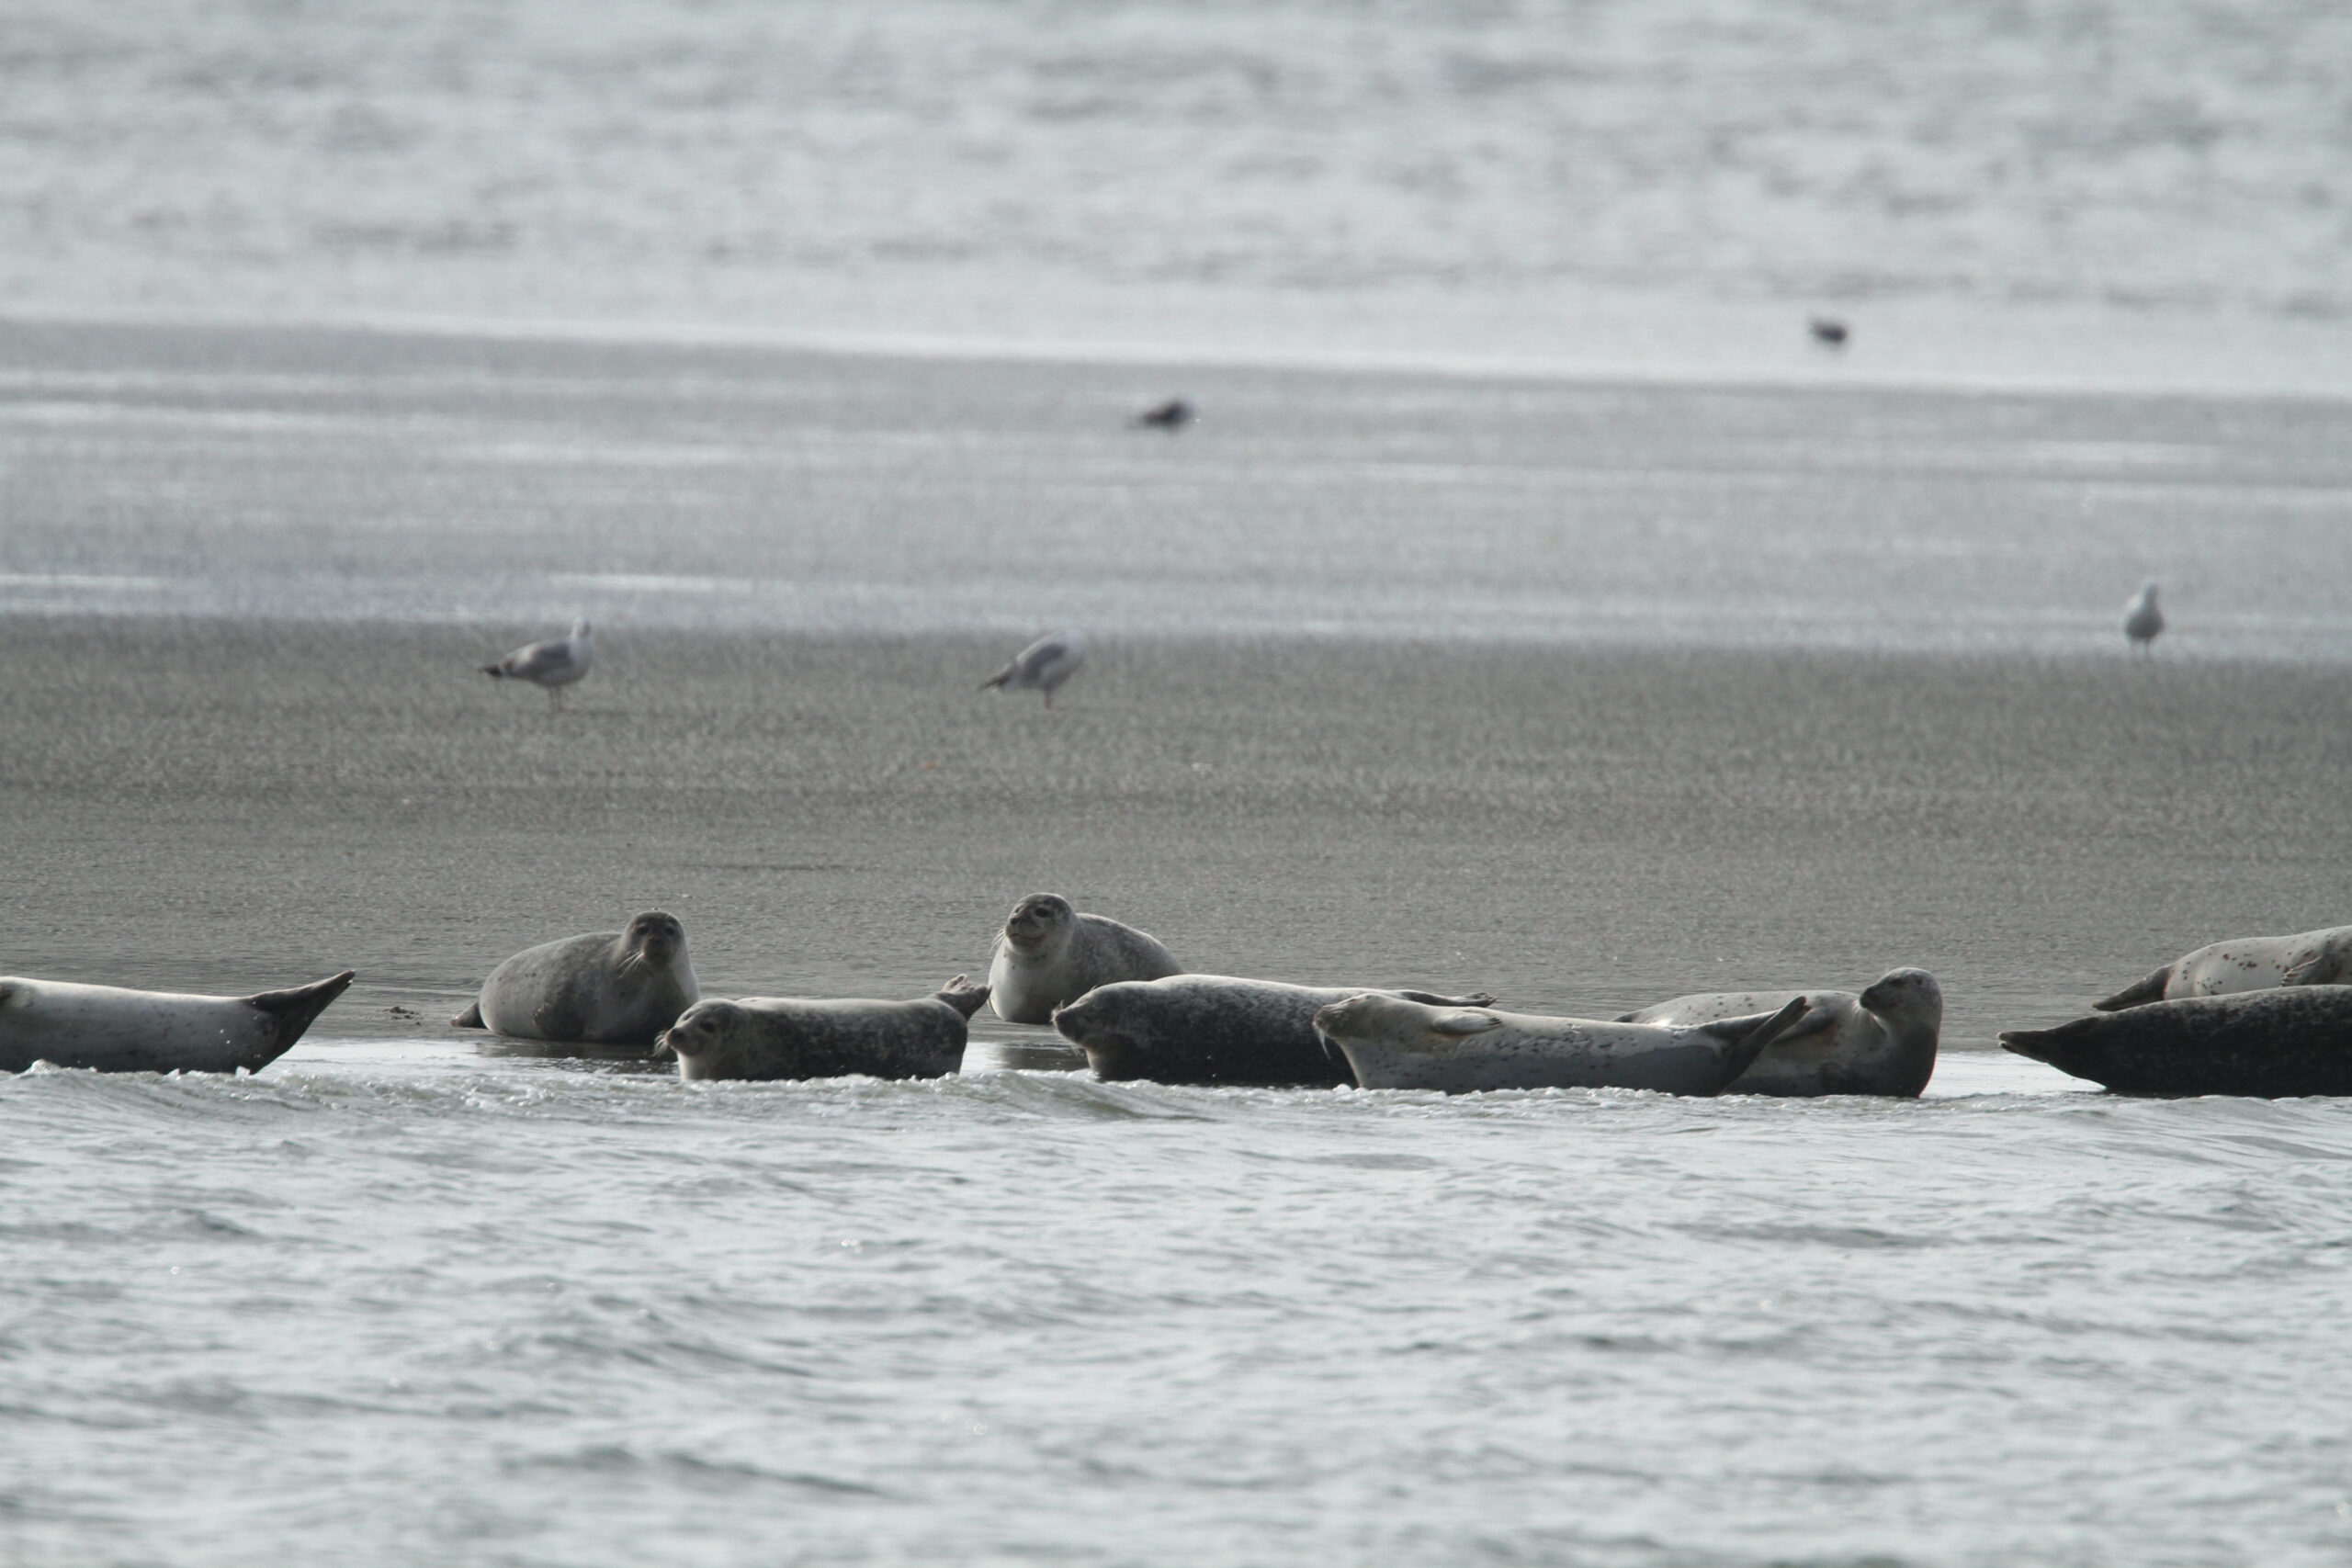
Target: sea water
point(400, 1302)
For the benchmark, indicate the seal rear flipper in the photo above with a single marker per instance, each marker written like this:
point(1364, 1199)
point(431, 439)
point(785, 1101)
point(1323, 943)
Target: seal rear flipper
point(963, 996)
point(291, 1012)
point(2072, 1047)
point(470, 1018)
point(2151, 989)
point(1744, 1038)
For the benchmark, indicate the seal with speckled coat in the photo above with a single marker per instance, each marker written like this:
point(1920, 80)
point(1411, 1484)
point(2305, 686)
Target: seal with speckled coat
point(1882, 1041)
point(1215, 1029)
point(2291, 1041)
point(785, 1037)
point(1394, 1043)
point(2245, 964)
point(1049, 953)
point(605, 988)
point(110, 1030)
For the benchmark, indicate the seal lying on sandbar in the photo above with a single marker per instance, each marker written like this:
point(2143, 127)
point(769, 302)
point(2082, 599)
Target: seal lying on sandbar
point(1050, 953)
point(2245, 964)
point(781, 1037)
point(1215, 1029)
point(110, 1030)
point(1395, 1043)
point(2269, 1043)
point(605, 988)
point(1882, 1041)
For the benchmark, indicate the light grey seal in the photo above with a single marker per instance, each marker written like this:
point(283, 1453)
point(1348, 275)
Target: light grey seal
point(110, 1030)
point(2269, 1043)
point(1393, 1043)
point(550, 665)
point(1049, 953)
point(2245, 964)
point(782, 1037)
point(1215, 1029)
point(605, 988)
point(1042, 666)
point(1882, 1041)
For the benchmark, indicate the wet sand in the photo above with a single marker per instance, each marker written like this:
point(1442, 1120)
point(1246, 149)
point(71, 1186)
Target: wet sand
point(219, 805)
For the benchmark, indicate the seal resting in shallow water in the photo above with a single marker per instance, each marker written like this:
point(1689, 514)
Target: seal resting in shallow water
point(1215, 1029)
point(605, 988)
point(784, 1037)
point(2269, 1043)
point(1394, 1043)
point(2245, 964)
point(110, 1030)
point(1049, 953)
point(1882, 1041)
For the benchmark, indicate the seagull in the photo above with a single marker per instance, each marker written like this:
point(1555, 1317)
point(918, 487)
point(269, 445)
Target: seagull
point(2143, 620)
point(1042, 666)
point(1173, 414)
point(553, 665)
point(1828, 330)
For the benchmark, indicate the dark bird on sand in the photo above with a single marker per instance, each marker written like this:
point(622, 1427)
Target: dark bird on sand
point(1828, 330)
point(1173, 414)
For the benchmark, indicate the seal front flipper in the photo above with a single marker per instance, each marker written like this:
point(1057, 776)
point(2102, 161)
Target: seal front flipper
point(2326, 967)
point(470, 1018)
point(1744, 1038)
point(2151, 989)
point(1431, 998)
point(963, 996)
point(292, 1011)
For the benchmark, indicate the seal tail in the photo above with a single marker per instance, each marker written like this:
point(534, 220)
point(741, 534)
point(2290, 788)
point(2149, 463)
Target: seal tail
point(470, 1018)
point(2151, 989)
point(963, 996)
point(291, 1012)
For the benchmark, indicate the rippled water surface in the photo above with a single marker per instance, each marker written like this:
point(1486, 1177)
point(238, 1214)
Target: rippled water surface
point(393, 1302)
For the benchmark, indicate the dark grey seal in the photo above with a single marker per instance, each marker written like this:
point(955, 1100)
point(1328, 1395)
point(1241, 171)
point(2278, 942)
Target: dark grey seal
point(1215, 1029)
point(783, 1037)
point(1395, 1043)
point(2268, 1044)
point(1049, 953)
point(109, 1030)
point(1882, 1041)
point(605, 988)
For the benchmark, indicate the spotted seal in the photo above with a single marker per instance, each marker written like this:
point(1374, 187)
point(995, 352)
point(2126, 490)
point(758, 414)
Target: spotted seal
point(781, 1037)
point(1397, 1042)
point(1882, 1041)
point(1049, 953)
point(1214, 1029)
point(2245, 964)
point(605, 988)
point(110, 1030)
point(2282, 1042)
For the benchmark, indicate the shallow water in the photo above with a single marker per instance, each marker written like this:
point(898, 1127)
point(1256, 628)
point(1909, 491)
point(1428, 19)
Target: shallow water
point(389, 1303)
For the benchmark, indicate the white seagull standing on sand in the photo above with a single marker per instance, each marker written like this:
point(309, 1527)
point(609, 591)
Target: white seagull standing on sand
point(1042, 666)
point(2143, 620)
point(553, 665)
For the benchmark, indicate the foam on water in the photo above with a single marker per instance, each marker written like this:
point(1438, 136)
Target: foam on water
point(419, 1304)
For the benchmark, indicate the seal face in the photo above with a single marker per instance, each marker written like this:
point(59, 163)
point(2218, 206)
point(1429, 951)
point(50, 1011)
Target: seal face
point(111, 1030)
point(1882, 1042)
point(1214, 1029)
point(1049, 953)
point(605, 989)
point(782, 1037)
point(1395, 1042)
point(2271, 1043)
point(2245, 964)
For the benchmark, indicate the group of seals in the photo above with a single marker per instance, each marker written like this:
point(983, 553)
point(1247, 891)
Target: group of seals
point(111, 1030)
point(1214, 1029)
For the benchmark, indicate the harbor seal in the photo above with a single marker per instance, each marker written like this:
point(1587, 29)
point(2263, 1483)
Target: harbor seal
point(605, 988)
point(551, 665)
point(1042, 666)
point(782, 1037)
point(110, 1030)
point(2268, 1044)
point(1882, 1041)
point(2245, 964)
point(1049, 953)
point(1215, 1029)
point(1394, 1043)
